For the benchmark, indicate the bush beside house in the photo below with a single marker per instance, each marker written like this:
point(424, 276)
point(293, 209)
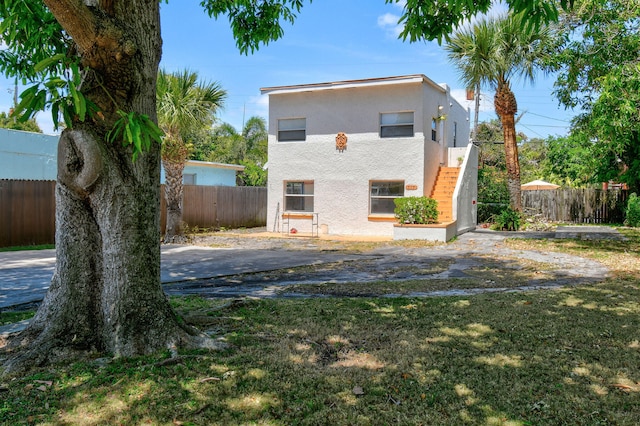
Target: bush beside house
point(416, 210)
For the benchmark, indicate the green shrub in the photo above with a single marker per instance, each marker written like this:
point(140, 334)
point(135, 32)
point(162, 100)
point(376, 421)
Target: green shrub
point(632, 214)
point(417, 210)
point(508, 220)
point(492, 185)
point(488, 211)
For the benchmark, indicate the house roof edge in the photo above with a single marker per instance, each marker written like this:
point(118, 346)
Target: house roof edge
point(214, 165)
point(345, 84)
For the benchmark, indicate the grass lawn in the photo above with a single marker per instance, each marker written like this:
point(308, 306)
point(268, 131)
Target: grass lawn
point(569, 356)
point(14, 316)
point(22, 248)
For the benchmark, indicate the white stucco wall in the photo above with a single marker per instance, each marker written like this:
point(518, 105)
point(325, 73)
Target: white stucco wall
point(455, 113)
point(28, 155)
point(342, 179)
point(465, 196)
point(432, 159)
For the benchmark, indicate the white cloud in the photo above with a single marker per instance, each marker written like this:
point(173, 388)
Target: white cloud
point(400, 4)
point(243, 109)
point(498, 8)
point(260, 105)
point(389, 23)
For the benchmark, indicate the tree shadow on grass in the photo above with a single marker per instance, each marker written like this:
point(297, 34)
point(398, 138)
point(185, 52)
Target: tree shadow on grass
point(565, 356)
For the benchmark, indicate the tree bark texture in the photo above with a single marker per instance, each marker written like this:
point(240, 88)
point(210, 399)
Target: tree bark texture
point(174, 195)
point(105, 294)
point(506, 107)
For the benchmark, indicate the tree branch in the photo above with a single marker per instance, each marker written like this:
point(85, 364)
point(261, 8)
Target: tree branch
point(77, 20)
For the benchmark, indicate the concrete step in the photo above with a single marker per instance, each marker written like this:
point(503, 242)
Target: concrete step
point(450, 169)
point(442, 192)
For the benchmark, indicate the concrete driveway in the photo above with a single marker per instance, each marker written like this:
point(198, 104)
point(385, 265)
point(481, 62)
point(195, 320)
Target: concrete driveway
point(186, 269)
point(25, 275)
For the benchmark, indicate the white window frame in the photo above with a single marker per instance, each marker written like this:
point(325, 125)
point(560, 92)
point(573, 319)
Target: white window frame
point(434, 129)
point(289, 129)
point(307, 189)
point(372, 196)
point(392, 122)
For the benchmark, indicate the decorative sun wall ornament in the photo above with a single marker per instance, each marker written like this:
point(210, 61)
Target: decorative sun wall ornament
point(341, 142)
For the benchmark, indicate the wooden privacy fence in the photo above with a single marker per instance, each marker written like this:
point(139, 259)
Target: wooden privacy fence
point(221, 206)
point(27, 212)
point(577, 205)
point(27, 209)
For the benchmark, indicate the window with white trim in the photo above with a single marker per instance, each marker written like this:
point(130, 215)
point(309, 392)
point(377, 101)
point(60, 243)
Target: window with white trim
point(434, 130)
point(292, 129)
point(396, 124)
point(298, 196)
point(382, 195)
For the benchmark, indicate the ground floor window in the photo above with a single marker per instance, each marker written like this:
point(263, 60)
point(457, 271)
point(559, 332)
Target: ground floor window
point(298, 196)
point(382, 194)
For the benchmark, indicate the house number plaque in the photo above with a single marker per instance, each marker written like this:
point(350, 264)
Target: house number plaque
point(411, 187)
point(341, 142)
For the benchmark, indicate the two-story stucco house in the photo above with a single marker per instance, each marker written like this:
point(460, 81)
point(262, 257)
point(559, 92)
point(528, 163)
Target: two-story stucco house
point(341, 152)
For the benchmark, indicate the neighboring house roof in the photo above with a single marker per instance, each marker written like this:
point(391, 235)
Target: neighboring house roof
point(538, 185)
point(196, 163)
point(346, 84)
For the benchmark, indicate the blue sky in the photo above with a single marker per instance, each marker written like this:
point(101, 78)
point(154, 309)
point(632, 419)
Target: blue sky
point(331, 40)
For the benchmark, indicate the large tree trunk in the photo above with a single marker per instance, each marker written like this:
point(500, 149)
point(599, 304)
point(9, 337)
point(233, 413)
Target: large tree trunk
point(506, 107)
point(173, 190)
point(105, 294)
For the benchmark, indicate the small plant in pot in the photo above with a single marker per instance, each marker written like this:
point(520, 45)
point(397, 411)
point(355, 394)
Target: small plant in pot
point(416, 210)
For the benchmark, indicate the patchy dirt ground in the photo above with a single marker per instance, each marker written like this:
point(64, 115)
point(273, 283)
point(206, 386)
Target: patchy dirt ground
point(475, 262)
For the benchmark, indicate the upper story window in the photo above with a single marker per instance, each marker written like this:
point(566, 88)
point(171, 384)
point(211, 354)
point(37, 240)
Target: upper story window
point(434, 130)
point(396, 124)
point(382, 196)
point(298, 196)
point(292, 129)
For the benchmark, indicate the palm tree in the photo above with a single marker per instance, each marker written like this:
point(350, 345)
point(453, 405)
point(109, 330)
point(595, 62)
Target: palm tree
point(184, 106)
point(248, 149)
point(492, 52)
point(256, 135)
point(229, 146)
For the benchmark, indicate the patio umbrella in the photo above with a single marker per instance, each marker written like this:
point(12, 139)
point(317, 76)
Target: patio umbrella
point(538, 185)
